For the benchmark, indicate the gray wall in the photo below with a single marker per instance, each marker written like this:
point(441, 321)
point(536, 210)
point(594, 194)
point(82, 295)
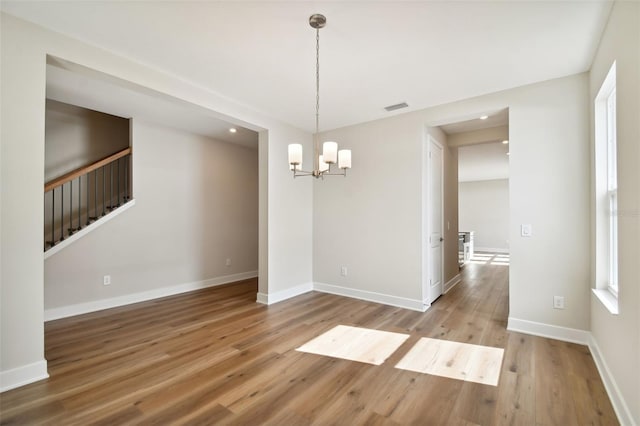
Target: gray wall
point(618, 336)
point(76, 137)
point(196, 206)
point(484, 209)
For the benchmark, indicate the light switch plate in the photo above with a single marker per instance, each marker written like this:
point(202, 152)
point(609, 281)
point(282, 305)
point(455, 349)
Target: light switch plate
point(525, 230)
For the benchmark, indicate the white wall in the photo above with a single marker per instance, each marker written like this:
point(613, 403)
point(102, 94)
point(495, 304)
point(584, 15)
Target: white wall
point(484, 208)
point(285, 214)
point(618, 336)
point(196, 206)
point(371, 221)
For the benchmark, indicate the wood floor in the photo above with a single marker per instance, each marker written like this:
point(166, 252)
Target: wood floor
point(217, 357)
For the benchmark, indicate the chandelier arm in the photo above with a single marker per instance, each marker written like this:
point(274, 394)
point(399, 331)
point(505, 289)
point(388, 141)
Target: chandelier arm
point(300, 173)
point(317, 174)
point(343, 173)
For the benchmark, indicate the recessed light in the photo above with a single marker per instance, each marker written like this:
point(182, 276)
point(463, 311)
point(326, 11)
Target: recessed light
point(484, 117)
point(233, 130)
point(505, 142)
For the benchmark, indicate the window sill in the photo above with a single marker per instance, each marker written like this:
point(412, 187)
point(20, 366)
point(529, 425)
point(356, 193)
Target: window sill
point(607, 299)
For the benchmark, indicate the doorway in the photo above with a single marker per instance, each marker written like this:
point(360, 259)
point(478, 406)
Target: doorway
point(445, 146)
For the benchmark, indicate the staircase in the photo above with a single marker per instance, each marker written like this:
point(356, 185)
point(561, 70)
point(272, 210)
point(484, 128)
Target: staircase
point(85, 195)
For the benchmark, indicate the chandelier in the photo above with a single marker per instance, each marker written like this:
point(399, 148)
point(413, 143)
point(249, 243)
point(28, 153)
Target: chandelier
point(323, 163)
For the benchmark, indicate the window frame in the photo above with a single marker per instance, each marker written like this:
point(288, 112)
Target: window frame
point(612, 192)
point(606, 193)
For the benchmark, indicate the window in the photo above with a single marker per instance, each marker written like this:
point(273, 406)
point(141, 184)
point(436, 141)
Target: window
point(606, 193)
point(612, 192)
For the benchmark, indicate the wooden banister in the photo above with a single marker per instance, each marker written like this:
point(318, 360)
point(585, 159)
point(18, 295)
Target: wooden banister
point(84, 170)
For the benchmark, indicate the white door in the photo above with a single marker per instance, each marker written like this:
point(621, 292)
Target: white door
point(435, 220)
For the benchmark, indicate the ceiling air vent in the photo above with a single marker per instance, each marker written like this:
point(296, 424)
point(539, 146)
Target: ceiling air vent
point(396, 106)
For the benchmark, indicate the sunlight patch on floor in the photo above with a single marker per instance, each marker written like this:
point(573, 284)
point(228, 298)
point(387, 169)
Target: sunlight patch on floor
point(355, 344)
point(462, 361)
point(489, 259)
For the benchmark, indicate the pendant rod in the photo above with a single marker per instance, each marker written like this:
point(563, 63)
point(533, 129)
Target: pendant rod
point(317, 136)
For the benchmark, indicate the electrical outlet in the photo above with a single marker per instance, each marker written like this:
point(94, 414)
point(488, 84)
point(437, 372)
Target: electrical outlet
point(343, 271)
point(558, 302)
point(228, 262)
point(106, 280)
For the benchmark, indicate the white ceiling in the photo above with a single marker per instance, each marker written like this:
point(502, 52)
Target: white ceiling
point(494, 119)
point(373, 53)
point(483, 162)
point(72, 85)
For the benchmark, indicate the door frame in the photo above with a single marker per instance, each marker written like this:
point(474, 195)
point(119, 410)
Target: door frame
point(426, 216)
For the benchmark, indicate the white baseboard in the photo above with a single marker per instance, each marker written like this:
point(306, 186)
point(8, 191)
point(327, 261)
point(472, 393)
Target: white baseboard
point(566, 334)
point(279, 296)
point(385, 299)
point(24, 375)
point(451, 283)
point(491, 250)
point(98, 305)
point(618, 402)
point(92, 226)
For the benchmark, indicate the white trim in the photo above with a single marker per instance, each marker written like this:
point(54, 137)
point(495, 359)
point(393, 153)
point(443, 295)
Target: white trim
point(24, 375)
point(491, 250)
point(607, 299)
point(451, 283)
point(615, 396)
point(427, 213)
point(279, 296)
point(84, 231)
point(385, 299)
point(566, 334)
point(98, 305)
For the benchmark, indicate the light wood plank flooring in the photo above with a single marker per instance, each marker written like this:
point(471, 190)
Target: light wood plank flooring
point(217, 357)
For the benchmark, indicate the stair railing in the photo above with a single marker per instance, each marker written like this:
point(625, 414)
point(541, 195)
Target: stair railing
point(82, 196)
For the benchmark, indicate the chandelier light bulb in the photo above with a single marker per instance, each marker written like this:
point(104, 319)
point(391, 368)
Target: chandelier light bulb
point(330, 152)
point(295, 154)
point(344, 159)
